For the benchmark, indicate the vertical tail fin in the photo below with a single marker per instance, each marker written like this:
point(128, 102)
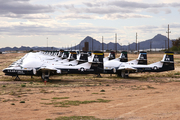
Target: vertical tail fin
point(60, 52)
point(168, 57)
point(72, 56)
point(123, 57)
point(142, 58)
point(111, 55)
point(82, 57)
point(65, 55)
point(97, 62)
point(97, 57)
point(168, 61)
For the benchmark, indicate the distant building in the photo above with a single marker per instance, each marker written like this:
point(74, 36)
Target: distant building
point(86, 46)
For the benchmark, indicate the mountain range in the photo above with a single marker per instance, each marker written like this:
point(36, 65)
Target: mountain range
point(157, 42)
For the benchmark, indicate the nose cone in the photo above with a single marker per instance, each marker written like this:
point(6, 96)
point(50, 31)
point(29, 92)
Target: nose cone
point(4, 70)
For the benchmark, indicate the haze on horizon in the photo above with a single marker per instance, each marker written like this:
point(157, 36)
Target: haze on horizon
point(64, 23)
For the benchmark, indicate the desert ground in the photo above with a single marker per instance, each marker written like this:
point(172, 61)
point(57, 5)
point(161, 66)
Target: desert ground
point(142, 96)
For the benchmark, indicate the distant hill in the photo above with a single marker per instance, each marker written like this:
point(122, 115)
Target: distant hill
point(157, 41)
point(23, 48)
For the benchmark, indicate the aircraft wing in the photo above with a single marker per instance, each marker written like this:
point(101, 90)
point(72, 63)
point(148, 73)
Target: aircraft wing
point(127, 67)
point(47, 68)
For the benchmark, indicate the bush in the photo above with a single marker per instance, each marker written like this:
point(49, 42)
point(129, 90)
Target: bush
point(23, 85)
point(22, 102)
point(102, 91)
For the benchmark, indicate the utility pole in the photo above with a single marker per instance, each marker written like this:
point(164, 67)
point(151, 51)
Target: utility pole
point(150, 45)
point(116, 42)
point(136, 42)
point(92, 45)
point(168, 36)
point(47, 43)
point(102, 45)
point(79, 46)
point(119, 45)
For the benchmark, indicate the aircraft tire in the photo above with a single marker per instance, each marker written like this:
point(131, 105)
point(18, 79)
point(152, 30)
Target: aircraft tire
point(82, 69)
point(123, 74)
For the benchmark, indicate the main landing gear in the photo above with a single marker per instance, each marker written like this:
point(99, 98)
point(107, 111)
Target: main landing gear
point(123, 74)
point(45, 75)
point(17, 78)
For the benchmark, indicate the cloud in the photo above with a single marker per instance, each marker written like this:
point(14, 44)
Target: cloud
point(28, 29)
point(144, 28)
point(22, 7)
point(156, 11)
point(128, 7)
point(127, 4)
point(175, 4)
point(125, 16)
point(172, 26)
point(26, 16)
point(75, 16)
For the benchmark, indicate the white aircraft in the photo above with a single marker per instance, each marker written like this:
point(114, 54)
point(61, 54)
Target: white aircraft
point(28, 64)
point(75, 59)
point(110, 67)
point(34, 66)
point(94, 66)
point(111, 56)
point(166, 64)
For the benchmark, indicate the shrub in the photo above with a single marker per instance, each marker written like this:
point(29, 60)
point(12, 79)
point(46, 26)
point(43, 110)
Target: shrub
point(22, 102)
point(23, 85)
point(102, 91)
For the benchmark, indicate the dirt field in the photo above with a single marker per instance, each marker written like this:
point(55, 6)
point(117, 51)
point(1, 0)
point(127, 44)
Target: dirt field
point(142, 96)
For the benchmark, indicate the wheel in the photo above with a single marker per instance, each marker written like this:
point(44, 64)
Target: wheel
point(155, 68)
point(123, 74)
point(82, 69)
point(45, 76)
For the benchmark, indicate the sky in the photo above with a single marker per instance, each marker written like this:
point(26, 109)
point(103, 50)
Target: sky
point(63, 23)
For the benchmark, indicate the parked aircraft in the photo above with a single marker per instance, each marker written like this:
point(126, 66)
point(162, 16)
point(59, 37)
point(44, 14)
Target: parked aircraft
point(111, 66)
point(45, 64)
point(166, 64)
point(93, 66)
point(32, 65)
point(111, 56)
